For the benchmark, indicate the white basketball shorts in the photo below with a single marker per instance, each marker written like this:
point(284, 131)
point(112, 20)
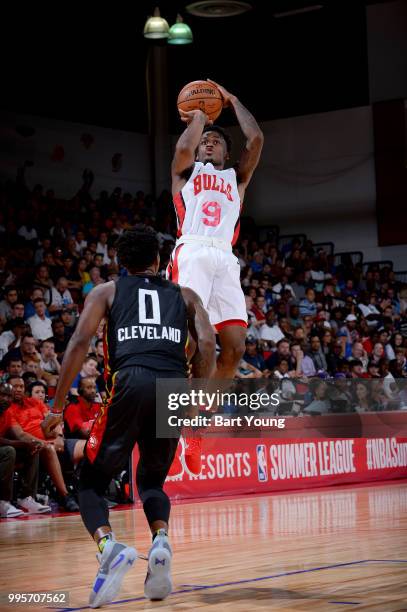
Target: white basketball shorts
point(214, 274)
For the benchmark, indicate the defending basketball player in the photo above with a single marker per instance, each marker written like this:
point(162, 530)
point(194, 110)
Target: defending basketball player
point(148, 320)
point(208, 200)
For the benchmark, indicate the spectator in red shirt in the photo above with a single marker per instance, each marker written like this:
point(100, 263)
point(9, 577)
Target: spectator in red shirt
point(17, 446)
point(259, 307)
point(29, 413)
point(79, 416)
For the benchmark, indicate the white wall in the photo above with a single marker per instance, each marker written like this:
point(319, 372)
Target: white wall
point(316, 176)
point(65, 177)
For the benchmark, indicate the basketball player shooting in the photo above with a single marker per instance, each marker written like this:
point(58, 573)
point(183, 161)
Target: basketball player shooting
point(208, 201)
point(148, 321)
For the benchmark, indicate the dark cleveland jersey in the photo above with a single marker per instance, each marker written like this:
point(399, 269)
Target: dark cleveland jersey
point(146, 326)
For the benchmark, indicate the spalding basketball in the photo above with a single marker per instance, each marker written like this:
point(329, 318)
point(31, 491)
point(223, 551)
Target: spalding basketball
point(201, 95)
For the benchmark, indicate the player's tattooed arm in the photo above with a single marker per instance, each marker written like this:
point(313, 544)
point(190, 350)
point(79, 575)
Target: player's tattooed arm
point(204, 360)
point(254, 136)
point(187, 144)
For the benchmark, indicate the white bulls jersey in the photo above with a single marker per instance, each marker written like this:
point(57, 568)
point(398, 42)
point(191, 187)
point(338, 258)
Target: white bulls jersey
point(209, 204)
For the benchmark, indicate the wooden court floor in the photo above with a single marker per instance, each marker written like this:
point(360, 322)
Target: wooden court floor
point(337, 549)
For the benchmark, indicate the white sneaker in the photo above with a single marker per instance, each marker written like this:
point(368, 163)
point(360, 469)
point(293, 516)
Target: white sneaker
point(32, 507)
point(158, 583)
point(7, 510)
point(115, 561)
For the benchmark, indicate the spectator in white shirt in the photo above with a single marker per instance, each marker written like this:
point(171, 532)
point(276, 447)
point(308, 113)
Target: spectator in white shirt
point(80, 243)
point(11, 338)
point(28, 232)
point(282, 286)
point(271, 332)
point(41, 325)
point(49, 362)
point(101, 246)
point(59, 297)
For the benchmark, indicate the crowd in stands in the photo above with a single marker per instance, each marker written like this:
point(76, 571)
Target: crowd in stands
point(307, 317)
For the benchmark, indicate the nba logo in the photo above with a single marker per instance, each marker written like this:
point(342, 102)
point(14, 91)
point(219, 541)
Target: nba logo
point(261, 463)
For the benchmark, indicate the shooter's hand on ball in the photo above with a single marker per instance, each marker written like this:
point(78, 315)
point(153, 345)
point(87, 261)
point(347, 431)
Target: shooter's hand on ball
point(228, 98)
point(194, 115)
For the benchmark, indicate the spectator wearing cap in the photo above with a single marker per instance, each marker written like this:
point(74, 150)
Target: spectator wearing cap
point(350, 332)
point(319, 326)
point(270, 332)
point(40, 324)
point(308, 305)
point(253, 356)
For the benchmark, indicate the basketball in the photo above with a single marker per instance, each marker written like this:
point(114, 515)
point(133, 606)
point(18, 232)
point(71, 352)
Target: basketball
point(203, 96)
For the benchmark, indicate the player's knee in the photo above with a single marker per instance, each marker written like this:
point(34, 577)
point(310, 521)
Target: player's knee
point(233, 353)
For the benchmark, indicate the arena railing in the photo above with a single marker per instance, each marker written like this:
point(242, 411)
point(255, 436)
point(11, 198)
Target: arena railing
point(355, 256)
point(401, 276)
point(385, 263)
point(328, 247)
point(285, 239)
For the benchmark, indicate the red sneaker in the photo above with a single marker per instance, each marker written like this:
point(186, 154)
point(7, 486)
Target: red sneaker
point(176, 466)
point(193, 458)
